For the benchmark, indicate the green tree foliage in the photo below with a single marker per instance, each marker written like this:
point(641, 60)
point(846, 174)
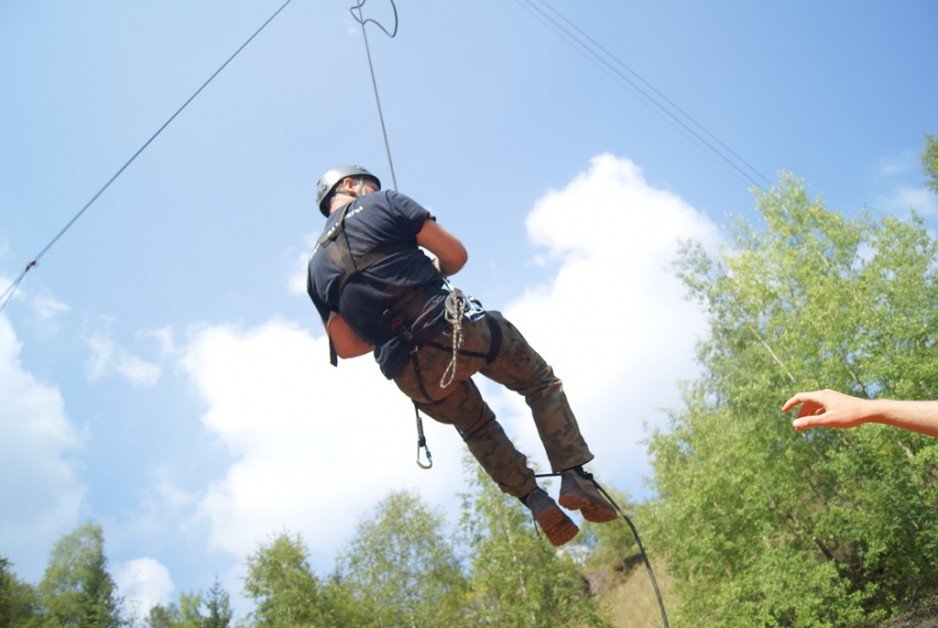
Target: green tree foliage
point(763, 525)
point(283, 586)
point(401, 565)
point(76, 589)
point(18, 601)
point(218, 606)
point(930, 161)
point(188, 613)
point(517, 579)
point(163, 616)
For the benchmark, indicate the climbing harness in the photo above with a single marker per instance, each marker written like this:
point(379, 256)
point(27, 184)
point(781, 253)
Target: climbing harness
point(458, 306)
point(641, 548)
point(335, 244)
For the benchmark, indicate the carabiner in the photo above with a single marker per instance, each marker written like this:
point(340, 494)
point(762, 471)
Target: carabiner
point(422, 444)
point(421, 440)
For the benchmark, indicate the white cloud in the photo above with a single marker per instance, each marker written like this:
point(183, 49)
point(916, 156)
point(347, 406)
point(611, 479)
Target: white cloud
point(613, 321)
point(143, 583)
point(314, 446)
point(165, 338)
point(296, 283)
point(40, 487)
point(108, 357)
point(899, 164)
point(47, 307)
point(902, 199)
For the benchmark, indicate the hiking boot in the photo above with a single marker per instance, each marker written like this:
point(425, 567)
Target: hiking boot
point(554, 522)
point(577, 492)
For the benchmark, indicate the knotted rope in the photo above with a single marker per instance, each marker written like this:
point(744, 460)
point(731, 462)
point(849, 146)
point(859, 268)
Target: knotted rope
point(455, 310)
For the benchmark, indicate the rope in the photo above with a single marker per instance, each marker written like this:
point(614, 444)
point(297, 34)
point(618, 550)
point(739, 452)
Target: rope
point(455, 310)
point(638, 540)
point(8, 293)
point(374, 83)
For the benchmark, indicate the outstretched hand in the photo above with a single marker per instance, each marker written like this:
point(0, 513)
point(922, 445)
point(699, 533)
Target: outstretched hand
point(828, 408)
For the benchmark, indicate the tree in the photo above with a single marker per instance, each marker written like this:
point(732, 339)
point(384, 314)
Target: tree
point(218, 606)
point(18, 603)
point(930, 161)
point(517, 579)
point(761, 524)
point(186, 614)
point(283, 586)
point(400, 565)
point(76, 588)
point(163, 616)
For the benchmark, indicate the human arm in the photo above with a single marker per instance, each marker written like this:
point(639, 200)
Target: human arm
point(450, 253)
point(828, 408)
point(347, 343)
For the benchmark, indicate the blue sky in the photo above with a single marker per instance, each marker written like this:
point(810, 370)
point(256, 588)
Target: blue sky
point(164, 376)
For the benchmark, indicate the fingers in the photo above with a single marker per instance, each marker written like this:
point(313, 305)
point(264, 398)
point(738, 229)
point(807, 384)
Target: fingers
point(812, 412)
point(801, 397)
point(805, 423)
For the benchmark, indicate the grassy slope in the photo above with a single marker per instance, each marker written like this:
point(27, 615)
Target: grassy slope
point(627, 597)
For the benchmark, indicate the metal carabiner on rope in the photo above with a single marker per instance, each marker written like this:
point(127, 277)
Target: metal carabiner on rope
point(422, 441)
point(361, 19)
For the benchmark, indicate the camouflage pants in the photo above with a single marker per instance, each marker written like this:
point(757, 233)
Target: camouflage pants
point(517, 366)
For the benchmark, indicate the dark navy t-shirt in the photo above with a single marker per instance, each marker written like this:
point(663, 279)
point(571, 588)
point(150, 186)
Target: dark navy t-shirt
point(373, 221)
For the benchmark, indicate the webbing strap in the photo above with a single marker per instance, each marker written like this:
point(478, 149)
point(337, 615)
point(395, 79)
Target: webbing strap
point(494, 347)
point(335, 243)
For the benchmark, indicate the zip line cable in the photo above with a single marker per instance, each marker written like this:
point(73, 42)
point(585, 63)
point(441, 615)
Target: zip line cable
point(374, 83)
point(651, 96)
point(670, 102)
point(11, 289)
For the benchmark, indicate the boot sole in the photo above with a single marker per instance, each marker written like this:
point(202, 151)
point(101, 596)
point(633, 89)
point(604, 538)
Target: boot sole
point(557, 526)
point(590, 512)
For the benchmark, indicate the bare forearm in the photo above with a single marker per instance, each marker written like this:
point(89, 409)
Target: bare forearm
point(451, 255)
point(919, 416)
point(346, 341)
point(828, 408)
point(448, 268)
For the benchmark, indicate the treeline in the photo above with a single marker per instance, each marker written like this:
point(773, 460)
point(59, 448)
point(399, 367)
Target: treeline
point(400, 569)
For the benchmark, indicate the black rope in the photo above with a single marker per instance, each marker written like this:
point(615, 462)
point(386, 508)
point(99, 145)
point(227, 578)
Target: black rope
point(374, 83)
point(8, 293)
point(638, 540)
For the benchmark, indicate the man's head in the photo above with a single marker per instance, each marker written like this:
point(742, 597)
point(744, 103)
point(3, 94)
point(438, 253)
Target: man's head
point(348, 180)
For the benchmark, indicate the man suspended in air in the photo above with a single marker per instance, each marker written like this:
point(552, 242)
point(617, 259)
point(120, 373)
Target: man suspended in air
point(376, 291)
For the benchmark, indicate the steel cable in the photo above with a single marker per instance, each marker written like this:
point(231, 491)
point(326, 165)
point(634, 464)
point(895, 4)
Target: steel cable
point(11, 289)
